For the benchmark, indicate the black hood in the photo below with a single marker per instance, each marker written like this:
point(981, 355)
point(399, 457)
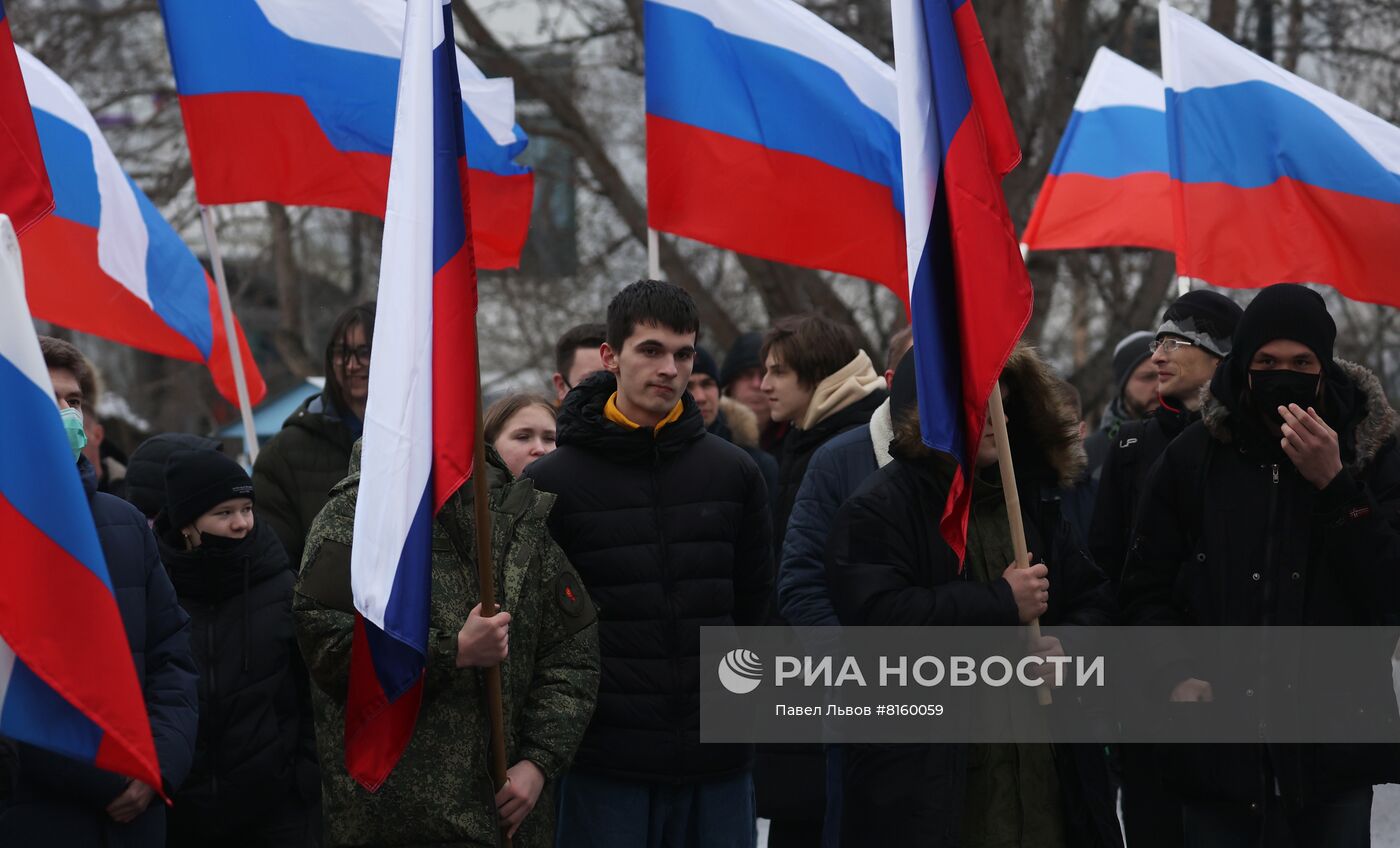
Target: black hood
point(145, 472)
point(220, 568)
point(584, 424)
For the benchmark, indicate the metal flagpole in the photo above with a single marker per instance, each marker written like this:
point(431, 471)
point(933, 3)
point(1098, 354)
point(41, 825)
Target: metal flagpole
point(653, 254)
point(250, 435)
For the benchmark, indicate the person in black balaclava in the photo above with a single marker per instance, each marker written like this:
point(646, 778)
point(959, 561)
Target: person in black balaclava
point(1278, 507)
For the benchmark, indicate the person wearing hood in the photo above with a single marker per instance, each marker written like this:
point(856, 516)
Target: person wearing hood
point(254, 778)
point(296, 469)
point(61, 801)
point(819, 380)
point(1278, 507)
point(668, 526)
point(888, 565)
point(1195, 335)
point(145, 472)
point(1134, 396)
point(726, 417)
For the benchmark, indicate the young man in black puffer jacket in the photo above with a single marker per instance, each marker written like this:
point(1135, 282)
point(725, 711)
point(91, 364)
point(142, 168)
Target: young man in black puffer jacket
point(254, 779)
point(668, 527)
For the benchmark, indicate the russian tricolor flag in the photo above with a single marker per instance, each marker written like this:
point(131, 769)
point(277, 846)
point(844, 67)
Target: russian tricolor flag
point(1273, 178)
point(1109, 183)
point(67, 679)
point(420, 424)
point(24, 185)
point(106, 262)
point(293, 101)
point(772, 134)
point(969, 293)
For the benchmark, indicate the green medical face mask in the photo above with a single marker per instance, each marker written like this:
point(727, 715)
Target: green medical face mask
point(73, 427)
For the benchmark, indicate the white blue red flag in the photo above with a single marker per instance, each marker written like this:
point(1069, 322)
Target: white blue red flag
point(771, 133)
point(106, 262)
point(293, 101)
point(24, 185)
point(969, 294)
point(67, 679)
point(420, 423)
point(1109, 184)
point(1273, 178)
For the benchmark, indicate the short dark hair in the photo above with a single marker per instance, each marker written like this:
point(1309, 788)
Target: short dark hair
point(63, 354)
point(498, 413)
point(900, 343)
point(359, 315)
point(651, 302)
point(590, 335)
point(812, 345)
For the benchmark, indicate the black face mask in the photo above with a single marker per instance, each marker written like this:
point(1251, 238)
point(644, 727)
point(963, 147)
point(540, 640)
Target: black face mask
point(1272, 389)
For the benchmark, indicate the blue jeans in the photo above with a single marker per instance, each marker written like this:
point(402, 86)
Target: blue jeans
point(608, 813)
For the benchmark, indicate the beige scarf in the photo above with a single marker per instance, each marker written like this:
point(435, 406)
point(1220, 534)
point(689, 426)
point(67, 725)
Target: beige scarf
point(856, 379)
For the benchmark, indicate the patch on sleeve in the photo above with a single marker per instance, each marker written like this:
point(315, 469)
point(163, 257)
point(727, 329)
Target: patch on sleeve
point(327, 577)
point(573, 601)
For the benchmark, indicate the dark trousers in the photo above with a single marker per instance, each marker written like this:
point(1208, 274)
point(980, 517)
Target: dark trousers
point(1151, 812)
point(292, 824)
point(1342, 822)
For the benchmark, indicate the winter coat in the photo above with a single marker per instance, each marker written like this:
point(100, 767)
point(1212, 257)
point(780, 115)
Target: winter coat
point(297, 468)
point(837, 469)
point(256, 746)
point(59, 801)
point(670, 532)
point(736, 424)
point(440, 792)
point(1232, 535)
point(1130, 457)
point(887, 564)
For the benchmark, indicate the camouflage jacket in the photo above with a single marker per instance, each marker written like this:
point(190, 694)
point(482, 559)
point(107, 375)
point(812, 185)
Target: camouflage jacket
point(440, 793)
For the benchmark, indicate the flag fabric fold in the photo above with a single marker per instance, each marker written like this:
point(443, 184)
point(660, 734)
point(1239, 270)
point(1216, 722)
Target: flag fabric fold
point(420, 422)
point(1109, 183)
point(1275, 179)
point(25, 194)
point(106, 262)
point(293, 101)
point(771, 133)
point(67, 679)
point(969, 293)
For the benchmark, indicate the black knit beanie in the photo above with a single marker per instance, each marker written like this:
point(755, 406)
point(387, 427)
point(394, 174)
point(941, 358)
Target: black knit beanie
point(705, 364)
point(197, 481)
point(904, 390)
point(1130, 352)
point(743, 355)
point(1205, 317)
point(1286, 311)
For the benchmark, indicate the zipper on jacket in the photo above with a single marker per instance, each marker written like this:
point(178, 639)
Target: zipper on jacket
point(212, 666)
point(666, 582)
point(1270, 546)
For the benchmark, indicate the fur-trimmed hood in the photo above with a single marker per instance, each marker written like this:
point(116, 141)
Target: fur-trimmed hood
point(1044, 434)
point(742, 423)
point(1377, 424)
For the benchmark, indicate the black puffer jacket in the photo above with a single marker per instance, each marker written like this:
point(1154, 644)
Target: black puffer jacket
point(670, 532)
point(887, 564)
point(295, 471)
point(256, 745)
point(1231, 534)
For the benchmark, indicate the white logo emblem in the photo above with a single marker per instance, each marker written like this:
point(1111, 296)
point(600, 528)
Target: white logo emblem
point(740, 671)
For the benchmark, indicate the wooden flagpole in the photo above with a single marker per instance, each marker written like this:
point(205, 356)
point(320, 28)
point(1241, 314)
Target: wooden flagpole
point(486, 578)
point(240, 381)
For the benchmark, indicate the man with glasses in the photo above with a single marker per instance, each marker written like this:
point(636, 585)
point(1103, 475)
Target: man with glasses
point(1192, 339)
point(297, 468)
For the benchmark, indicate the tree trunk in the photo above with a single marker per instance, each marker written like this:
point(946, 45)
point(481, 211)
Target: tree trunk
point(1264, 28)
point(1223, 14)
point(291, 329)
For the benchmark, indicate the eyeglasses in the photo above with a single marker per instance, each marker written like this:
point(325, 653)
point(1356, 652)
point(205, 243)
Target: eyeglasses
point(340, 354)
point(1168, 345)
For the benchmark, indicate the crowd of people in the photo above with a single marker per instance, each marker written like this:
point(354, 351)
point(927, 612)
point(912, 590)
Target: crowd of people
point(1241, 475)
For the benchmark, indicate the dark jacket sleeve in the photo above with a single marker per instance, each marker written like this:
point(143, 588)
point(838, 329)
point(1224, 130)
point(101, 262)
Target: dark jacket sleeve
point(1360, 524)
point(564, 686)
point(172, 679)
point(802, 591)
point(276, 488)
point(1079, 589)
point(753, 554)
point(1111, 527)
point(872, 575)
point(1160, 546)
